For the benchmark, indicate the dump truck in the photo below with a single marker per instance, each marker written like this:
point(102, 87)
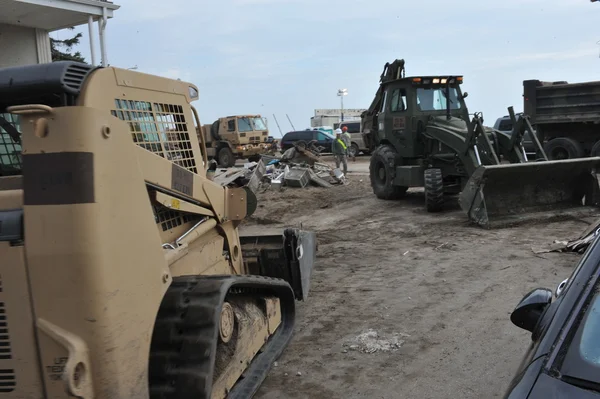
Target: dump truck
point(421, 135)
point(236, 137)
point(123, 272)
point(566, 116)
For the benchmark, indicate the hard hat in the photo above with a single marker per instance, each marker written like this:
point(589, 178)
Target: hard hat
point(338, 131)
point(345, 128)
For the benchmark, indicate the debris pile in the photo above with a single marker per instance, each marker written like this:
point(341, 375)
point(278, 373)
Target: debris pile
point(370, 342)
point(299, 166)
point(578, 245)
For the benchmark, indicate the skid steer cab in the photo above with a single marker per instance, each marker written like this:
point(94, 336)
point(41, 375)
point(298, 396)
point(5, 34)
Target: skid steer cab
point(123, 272)
point(421, 135)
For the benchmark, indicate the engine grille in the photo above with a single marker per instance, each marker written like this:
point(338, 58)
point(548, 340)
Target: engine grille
point(7, 376)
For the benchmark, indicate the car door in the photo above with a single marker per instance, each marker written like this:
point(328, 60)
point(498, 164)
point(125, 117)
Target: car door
point(324, 141)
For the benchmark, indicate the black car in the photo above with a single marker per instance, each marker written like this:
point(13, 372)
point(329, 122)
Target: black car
point(321, 139)
point(563, 360)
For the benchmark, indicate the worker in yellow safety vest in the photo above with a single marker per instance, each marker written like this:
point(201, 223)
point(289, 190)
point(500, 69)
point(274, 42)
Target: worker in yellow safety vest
point(340, 150)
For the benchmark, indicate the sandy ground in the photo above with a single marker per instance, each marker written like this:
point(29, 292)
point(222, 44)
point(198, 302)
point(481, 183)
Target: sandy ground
point(439, 288)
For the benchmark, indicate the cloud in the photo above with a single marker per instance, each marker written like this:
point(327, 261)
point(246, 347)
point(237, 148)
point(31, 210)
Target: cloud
point(589, 51)
point(290, 56)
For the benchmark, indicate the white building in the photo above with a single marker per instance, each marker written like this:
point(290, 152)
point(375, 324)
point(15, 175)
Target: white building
point(25, 26)
point(332, 117)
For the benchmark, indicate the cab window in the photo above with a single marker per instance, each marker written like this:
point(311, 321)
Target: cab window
point(244, 125)
point(398, 100)
point(231, 125)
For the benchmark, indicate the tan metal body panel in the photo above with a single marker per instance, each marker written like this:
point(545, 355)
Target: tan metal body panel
point(103, 279)
point(107, 225)
point(17, 327)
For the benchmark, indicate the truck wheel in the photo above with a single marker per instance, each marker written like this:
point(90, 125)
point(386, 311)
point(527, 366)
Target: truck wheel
point(434, 190)
point(353, 150)
point(214, 131)
point(226, 158)
point(563, 148)
point(382, 170)
point(595, 152)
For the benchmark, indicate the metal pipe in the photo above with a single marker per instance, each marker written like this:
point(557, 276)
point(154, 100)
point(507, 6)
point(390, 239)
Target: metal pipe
point(92, 44)
point(190, 230)
point(524, 153)
point(202, 138)
point(101, 28)
point(477, 154)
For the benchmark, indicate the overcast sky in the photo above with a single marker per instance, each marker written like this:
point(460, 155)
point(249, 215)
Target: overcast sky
point(291, 56)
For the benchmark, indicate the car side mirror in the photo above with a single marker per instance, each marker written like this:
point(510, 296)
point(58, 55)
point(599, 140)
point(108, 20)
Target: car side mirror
point(561, 287)
point(528, 312)
point(464, 95)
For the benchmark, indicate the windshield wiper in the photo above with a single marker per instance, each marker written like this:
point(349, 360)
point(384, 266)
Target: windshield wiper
point(584, 384)
point(10, 129)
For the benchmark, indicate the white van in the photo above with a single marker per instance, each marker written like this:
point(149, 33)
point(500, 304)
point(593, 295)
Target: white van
point(357, 144)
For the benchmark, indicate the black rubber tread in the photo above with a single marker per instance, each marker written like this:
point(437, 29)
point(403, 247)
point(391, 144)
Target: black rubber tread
point(385, 190)
point(573, 148)
point(354, 146)
point(231, 157)
point(186, 332)
point(434, 190)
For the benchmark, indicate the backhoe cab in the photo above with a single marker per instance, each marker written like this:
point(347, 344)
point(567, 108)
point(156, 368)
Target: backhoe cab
point(419, 131)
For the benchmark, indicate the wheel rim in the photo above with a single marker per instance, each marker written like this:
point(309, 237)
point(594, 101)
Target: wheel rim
point(380, 175)
point(225, 159)
point(227, 322)
point(559, 153)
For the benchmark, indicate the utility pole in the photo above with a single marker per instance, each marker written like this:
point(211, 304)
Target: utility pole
point(341, 93)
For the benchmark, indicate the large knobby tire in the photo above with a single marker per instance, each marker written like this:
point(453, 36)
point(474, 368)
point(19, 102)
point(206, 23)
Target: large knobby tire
point(563, 148)
point(214, 131)
point(382, 170)
point(434, 190)
point(595, 152)
point(226, 158)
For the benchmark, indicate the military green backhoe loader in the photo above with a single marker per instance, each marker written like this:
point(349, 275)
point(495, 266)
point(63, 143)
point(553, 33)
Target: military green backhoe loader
point(421, 135)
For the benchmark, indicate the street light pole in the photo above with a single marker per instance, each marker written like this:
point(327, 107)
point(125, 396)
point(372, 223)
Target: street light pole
point(341, 93)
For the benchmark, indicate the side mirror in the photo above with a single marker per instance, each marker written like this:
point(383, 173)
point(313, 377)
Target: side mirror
point(561, 287)
point(465, 95)
point(528, 312)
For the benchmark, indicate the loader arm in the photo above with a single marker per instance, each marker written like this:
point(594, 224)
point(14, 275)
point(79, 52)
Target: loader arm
point(457, 142)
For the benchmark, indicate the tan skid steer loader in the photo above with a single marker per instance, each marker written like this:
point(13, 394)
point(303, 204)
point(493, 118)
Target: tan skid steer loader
point(421, 135)
point(123, 274)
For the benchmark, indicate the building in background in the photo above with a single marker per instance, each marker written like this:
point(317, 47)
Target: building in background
point(332, 117)
point(25, 26)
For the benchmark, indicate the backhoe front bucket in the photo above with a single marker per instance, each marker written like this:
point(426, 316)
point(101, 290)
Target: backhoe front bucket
point(500, 195)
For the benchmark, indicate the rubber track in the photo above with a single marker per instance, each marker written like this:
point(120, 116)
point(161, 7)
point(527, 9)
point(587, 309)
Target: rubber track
point(186, 332)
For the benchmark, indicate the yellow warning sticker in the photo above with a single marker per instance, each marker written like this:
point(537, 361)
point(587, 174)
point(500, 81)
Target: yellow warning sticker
point(175, 204)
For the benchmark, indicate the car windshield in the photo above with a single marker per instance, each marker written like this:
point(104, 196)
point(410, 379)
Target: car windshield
point(10, 148)
point(434, 99)
point(259, 124)
point(582, 358)
point(244, 125)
